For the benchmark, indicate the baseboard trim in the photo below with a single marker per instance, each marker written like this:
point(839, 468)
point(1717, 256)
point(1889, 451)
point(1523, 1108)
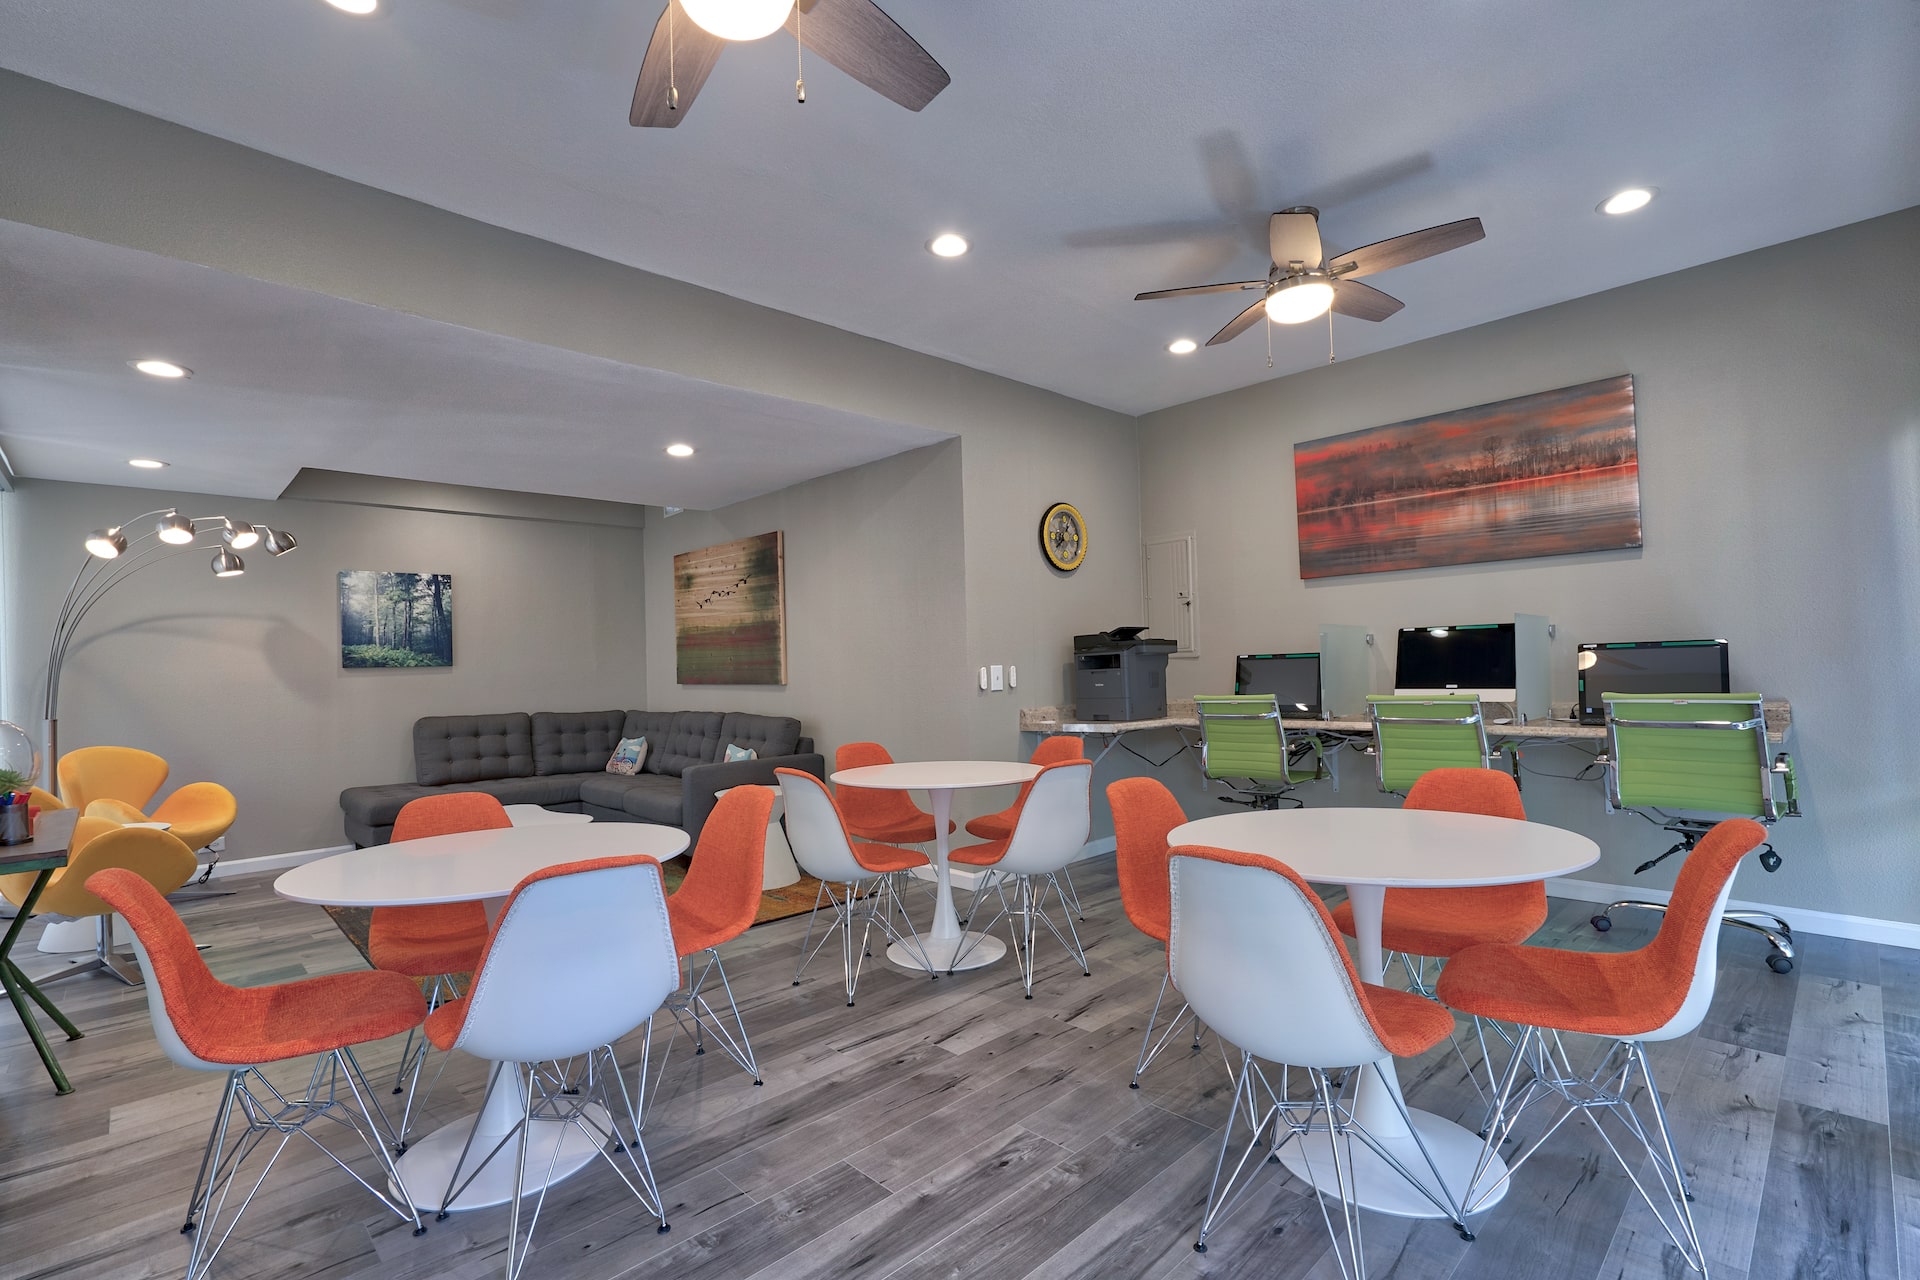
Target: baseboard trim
point(274, 861)
point(1828, 924)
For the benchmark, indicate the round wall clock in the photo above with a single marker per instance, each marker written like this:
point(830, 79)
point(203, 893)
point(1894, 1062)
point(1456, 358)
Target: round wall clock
point(1063, 536)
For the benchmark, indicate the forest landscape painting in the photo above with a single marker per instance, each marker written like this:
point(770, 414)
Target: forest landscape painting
point(1540, 475)
point(395, 619)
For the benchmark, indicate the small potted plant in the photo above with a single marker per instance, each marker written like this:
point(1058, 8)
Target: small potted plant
point(15, 791)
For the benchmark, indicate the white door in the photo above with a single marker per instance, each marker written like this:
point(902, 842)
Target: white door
point(1170, 592)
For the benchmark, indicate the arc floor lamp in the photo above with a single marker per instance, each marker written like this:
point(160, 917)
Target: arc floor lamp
point(113, 557)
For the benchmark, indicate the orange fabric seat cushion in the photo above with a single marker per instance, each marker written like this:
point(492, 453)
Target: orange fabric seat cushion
point(1407, 1024)
point(424, 941)
point(443, 1024)
point(1440, 922)
point(884, 858)
point(1057, 749)
point(247, 1026)
point(906, 831)
point(980, 855)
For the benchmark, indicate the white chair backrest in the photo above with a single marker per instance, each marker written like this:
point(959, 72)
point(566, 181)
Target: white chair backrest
point(1257, 964)
point(815, 831)
point(1054, 820)
point(578, 960)
point(1706, 968)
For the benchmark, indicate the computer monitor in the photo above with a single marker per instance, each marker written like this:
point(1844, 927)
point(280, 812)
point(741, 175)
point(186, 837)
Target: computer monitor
point(1471, 659)
point(1293, 678)
point(1648, 666)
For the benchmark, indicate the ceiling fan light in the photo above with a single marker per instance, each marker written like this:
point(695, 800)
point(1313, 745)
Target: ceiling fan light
point(227, 565)
point(1299, 300)
point(174, 528)
point(738, 19)
point(106, 543)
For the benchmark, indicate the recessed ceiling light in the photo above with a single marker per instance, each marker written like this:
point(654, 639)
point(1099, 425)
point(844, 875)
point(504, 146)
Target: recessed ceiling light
point(1627, 201)
point(161, 368)
point(146, 464)
point(358, 8)
point(1183, 346)
point(679, 451)
point(948, 245)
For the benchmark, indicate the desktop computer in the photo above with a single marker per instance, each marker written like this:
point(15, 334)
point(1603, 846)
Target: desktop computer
point(1474, 659)
point(1292, 678)
point(1647, 666)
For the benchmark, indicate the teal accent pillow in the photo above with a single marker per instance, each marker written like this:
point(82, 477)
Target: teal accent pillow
point(740, 753)
point(628, 756)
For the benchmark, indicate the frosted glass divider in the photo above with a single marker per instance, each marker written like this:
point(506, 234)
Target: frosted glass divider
point(1532, 666)
point(1346, 669)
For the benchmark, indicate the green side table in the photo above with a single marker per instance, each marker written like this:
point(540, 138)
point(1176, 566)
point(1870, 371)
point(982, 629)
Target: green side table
point(45, 853)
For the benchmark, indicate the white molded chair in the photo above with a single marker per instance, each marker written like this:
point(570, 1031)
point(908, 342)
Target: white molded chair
point(581, 955)
point(867, 874)
point(1049, 833)
point(1255, 953)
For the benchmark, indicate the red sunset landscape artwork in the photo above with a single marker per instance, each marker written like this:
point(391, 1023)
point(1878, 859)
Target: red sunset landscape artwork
point(1541, 475)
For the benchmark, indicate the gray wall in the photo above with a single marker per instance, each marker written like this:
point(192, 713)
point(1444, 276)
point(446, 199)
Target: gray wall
point(1779, 411)
point(239, 681)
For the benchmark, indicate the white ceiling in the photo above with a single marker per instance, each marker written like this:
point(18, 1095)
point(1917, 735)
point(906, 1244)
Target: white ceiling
point(305, 380)
point(1090, 151)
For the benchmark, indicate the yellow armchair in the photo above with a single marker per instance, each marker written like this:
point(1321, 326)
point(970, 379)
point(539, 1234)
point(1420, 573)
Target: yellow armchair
point(45, 801)
point(118, 782)
point(158, 857)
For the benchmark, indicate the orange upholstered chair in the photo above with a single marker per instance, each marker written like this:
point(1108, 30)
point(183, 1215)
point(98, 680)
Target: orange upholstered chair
point(883, 817)
point(1254, 951)
point(1437, 923)
point(715, 904)
point(432, 944)
point(1057, 749)
point(205, 1025)
point(1659, 992)
point(1144, 812)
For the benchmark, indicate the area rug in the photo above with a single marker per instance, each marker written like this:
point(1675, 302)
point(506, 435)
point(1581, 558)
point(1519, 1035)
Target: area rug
point(775, 904)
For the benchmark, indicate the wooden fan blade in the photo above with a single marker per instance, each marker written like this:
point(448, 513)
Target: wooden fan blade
point(1294, 237)
point(1363, 301)
point(1415, 245)
point(694, 51)
point(855, 36)
point(1194, 289)
point(1239, 324)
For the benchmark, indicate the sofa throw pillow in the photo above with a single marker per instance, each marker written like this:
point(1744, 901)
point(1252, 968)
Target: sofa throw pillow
point(740, 753)
point(628, 756)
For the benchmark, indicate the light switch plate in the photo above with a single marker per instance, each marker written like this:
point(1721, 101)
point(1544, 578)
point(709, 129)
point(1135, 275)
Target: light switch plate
point(997, 678)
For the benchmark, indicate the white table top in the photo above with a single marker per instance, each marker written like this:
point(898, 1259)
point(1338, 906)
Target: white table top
point(466, 866)
point(533, 815)
point(937, 775)
point(1398, 847)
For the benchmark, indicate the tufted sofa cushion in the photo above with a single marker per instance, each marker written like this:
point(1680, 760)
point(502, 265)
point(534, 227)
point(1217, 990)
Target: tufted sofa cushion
point(452, 749)
point(691, 738)
point(575, 741)
point(764, 735)
point(653, 726)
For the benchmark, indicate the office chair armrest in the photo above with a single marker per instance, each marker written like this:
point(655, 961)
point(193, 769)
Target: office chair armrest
point(1783, 769)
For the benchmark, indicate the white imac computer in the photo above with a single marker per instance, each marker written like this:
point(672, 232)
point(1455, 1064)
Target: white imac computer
point(1471, 660)
point(1293, 678)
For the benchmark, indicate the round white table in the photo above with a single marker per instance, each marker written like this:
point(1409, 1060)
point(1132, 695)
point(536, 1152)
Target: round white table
point(940, 779)
point(1369, 851)
point(533, 815)
point(479, 866)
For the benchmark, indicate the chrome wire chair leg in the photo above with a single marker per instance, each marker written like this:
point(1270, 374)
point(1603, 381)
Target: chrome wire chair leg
point(1150, 1048)
point(907, 935)
point(413, 1059)
point(1275, 1112)
point(693, 1013)
point(251, 1111)
point(814, 915)
point(842, 922)
point(1071, 896)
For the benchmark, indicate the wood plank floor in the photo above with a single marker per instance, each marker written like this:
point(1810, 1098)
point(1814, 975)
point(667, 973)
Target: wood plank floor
point(950, 1128)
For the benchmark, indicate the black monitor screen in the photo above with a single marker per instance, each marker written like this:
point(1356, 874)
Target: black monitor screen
point(1293, 678)
point(1477, 656)
point(1651, 666)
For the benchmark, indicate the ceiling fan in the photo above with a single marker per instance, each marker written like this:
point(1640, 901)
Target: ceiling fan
point(1303, 282)
point(854, 35)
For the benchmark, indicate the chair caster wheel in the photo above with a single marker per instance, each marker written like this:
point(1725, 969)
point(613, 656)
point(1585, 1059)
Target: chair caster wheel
point(1199, 1248)
point(188, 1229)
point(1779, 964)
point(1770, 861)
point(420, 1230)
point(1464, 1233)
point(1602, 923)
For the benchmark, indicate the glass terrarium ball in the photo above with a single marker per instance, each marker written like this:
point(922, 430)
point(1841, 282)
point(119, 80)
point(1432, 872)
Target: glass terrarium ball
point(16, 751)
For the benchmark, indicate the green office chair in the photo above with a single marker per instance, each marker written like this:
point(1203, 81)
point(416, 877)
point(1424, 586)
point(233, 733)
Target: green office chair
point(1413, 734)
point(1705, 753)
point(1244, 744)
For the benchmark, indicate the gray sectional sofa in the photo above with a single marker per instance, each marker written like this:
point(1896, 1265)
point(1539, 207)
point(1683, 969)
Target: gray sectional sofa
point(559, 760)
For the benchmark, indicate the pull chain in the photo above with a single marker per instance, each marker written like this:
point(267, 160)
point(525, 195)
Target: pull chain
point(799, 72)
point(673, 85)
point(1329, 335)
point(1268, 326)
